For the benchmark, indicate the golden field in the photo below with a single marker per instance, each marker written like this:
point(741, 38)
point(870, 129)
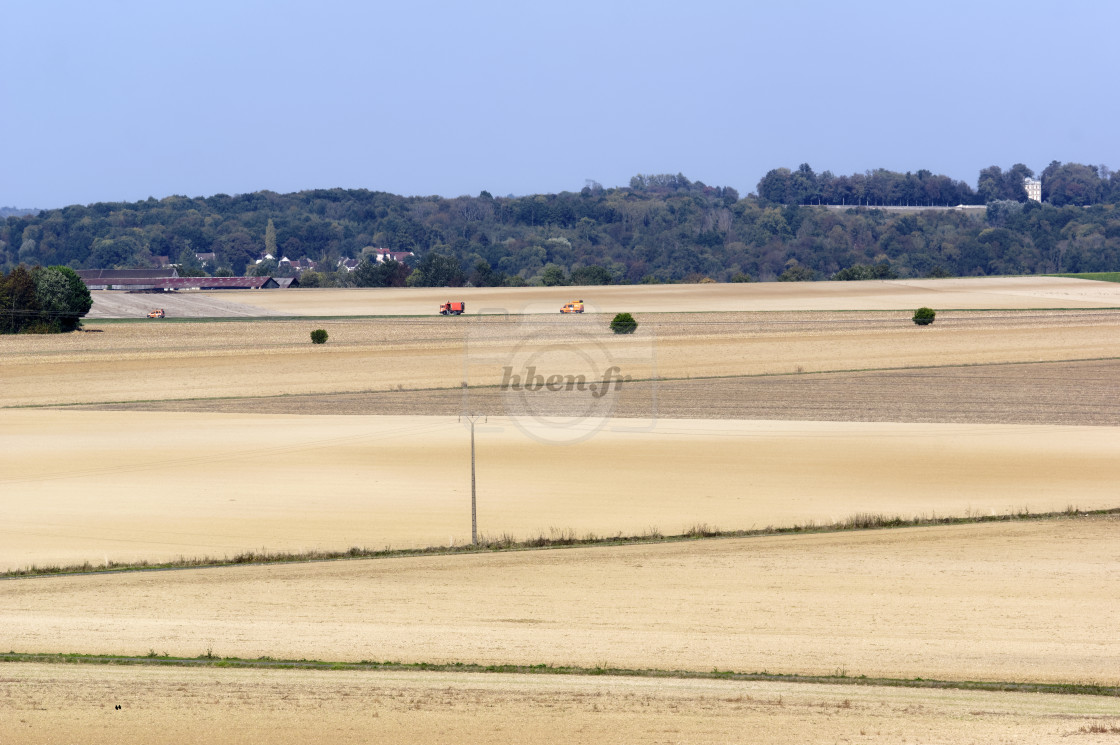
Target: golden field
point(899, 294)
point(160, 361)
point(123, 486)
point(1026, 601)
point(65, 703)
point(225, 445)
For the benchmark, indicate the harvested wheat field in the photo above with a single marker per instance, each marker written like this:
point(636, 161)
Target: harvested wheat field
point(977, 292)
point(1072, 393)
point(58, 703)
point(239, 435)
point(1027, 601)
point(141, 362)
point(96, 486)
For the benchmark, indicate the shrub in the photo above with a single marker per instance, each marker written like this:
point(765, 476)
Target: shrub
point(924, 316)
point(318, 336)
point(624, 323)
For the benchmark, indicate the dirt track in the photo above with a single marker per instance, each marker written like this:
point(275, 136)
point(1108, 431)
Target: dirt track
point(64, 703)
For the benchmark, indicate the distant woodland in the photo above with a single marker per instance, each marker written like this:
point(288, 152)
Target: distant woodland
point(660, 228)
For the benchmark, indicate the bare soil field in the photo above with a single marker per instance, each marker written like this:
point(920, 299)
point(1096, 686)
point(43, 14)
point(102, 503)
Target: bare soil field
point(116, 304)
point(1028, 601)
point(1070, 393)
point(54, 703)
point(140, 362)
point(91, 485)
point(977, 292)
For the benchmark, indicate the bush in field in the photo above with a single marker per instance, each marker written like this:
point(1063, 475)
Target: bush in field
point(318, 336)
point(624, 323)
point(924, 316)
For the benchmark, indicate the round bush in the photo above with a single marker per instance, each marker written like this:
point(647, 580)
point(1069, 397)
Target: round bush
point(924, 316)
point(318, 336)
point(624, 323)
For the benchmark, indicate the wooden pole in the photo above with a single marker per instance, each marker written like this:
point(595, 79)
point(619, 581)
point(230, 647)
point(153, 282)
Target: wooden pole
point(474, 513)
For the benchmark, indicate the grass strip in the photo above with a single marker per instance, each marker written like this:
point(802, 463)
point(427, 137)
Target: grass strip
point(556, 539)
point(210, 660)
point(1098, 276)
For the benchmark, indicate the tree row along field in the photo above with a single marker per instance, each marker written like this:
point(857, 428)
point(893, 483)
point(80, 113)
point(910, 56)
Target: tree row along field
point(947, 603)
point(140, 362)
point(67, 703)
point(96, 486)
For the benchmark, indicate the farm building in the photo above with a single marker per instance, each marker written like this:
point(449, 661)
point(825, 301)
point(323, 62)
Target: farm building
point(159, 280)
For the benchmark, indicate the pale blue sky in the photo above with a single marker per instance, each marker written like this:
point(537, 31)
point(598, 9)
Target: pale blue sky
point(118, 101)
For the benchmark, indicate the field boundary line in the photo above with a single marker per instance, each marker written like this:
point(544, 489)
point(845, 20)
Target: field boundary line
point(212, 661)
point(557, 540)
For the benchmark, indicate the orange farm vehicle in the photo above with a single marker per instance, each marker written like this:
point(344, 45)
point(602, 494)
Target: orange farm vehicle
point(576, 306)
point(452, 309)
point(157, 313)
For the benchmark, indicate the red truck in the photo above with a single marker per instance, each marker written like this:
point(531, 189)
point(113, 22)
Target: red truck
point(452, 309)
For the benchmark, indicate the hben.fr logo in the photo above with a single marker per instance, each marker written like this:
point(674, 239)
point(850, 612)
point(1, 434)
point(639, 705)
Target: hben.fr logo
point(534, 381)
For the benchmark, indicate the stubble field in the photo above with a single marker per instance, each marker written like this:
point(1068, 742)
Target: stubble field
point(241, 436)
point(948, 603)
point(58, 703)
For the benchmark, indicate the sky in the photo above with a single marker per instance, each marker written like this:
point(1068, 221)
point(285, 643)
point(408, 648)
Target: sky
point(121, 101)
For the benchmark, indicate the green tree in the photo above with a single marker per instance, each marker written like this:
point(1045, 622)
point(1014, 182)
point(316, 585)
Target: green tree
point(115, 253)
point(20, 306)
point(797, 273)
point(266, 268)
point(553, 276)
point(189, 265)
point(437, 270)
point(319, 336)
point(624, 323)
point(924, 316)
point(270, 240)
point(1071, 184)
point(882, 270)
point(591, 275)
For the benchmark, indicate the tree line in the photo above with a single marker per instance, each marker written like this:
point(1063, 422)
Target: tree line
point(1063, 184)
point(42, 300)
point(659, 228)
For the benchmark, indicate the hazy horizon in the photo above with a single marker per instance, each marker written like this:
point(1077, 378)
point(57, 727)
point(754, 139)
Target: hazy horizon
point(131, 101)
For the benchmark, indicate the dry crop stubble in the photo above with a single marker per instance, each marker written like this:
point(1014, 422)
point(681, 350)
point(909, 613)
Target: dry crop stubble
point(297, 707)
point(89, 486)
point(948, 603)
point(57, 703)
point(135, 362)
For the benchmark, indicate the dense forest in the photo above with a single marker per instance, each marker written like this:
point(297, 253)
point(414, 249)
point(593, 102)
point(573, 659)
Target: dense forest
point(660, 228)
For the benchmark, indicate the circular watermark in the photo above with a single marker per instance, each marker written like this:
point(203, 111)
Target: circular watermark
point(560, 380)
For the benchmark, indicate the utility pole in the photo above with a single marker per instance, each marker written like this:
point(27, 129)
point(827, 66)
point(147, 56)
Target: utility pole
point(472, 418)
